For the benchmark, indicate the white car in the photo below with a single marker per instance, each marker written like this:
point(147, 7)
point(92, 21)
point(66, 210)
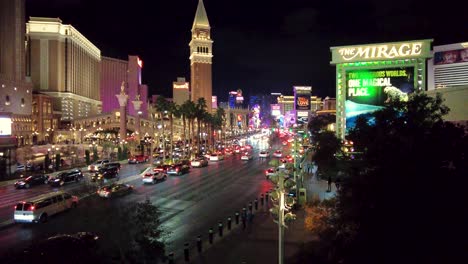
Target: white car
point(246, 156)
point(264, 154)
point(154, 177)
point(278, 154)
point(44, 206)
point(216, 157)
point(97, 165)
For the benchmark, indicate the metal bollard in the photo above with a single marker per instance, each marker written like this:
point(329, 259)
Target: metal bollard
point(250, 207)
point(171, 258)
point(186, 252)
point(220, 229)
point(261, 199)
point(199, 244)
point(256, 204)
point(210, 235)
point(237, 218)
point(229, 223)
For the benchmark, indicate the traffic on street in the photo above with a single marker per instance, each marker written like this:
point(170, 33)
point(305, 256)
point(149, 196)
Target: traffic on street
point(191, 201)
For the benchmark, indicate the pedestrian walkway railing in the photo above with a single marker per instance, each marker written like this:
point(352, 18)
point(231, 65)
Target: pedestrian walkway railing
point(239, 220)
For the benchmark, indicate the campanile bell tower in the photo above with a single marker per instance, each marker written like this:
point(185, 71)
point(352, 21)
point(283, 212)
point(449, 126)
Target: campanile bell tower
point(201, 57)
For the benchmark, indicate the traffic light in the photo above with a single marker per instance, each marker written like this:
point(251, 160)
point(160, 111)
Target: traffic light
point(280, 194)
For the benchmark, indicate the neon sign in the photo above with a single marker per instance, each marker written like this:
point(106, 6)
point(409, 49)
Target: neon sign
point(140, 62)
point(385, 51)
point(181, 86)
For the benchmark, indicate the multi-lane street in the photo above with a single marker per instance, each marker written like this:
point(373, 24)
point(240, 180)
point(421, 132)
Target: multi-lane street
point(190, 204)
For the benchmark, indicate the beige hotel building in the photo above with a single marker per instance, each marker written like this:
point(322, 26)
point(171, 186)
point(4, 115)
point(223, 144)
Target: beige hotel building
point(64, 65)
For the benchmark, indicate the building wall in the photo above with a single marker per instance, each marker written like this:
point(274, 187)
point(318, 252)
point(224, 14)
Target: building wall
point(201, 80)
point(15, 86)
point(180, 91)
point(113, 73)
point(64, 65)
point(450, 79)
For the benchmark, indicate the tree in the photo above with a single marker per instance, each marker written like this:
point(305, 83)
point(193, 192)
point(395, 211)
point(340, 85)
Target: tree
point(162, 105)
point(57, 161)
point(173, 111)
point(95, 154)
point(88, 159)
point(200, 113)
point(148, 235)
point(403, 203)
point(319, 124)
point(327, 146)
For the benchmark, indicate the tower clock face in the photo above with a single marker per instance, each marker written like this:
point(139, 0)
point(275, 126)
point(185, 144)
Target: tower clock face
point(202, 34)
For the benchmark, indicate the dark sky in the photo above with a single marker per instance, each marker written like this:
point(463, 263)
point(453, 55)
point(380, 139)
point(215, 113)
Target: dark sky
point(260, 46)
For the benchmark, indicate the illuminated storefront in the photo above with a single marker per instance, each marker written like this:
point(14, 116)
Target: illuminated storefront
point(370, 75)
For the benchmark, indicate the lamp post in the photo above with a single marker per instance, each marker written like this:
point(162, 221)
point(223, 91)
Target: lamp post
point(122, 97)
point(137, 105)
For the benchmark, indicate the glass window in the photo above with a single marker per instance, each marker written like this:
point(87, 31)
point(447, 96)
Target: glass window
point(44, 203)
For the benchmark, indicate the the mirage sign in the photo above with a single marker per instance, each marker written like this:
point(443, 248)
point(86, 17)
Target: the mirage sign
point(384, 51)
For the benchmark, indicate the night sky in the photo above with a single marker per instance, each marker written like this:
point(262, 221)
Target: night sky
point(260, 46)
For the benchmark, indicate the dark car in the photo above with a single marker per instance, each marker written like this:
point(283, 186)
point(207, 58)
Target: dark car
point(112, 165)
point(66, 177)
point(59, 248)
point(31, 181)
point(178, 169)
point(105, 173)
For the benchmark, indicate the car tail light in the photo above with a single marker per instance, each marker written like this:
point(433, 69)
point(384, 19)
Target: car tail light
point(177, 169)
point(31, 208)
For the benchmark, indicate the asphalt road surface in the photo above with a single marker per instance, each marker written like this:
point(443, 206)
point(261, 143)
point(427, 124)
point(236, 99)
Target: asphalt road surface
point(190, 204)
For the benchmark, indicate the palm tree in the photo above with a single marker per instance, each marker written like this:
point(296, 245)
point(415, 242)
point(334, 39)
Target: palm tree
point(220, 120)
point(188, 111)
point(172, 110)
point(200, 110)
point(162, 105)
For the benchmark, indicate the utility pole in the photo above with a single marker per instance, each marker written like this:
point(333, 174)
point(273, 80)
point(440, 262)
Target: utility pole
point(285, 203)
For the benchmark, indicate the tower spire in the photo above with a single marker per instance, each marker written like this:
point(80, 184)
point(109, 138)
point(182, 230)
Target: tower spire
point(201, 19)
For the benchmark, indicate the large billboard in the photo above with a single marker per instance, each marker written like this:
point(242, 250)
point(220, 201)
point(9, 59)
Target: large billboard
point(302, 98)
point(5, 125)
point(367, 90)
point(451, 56)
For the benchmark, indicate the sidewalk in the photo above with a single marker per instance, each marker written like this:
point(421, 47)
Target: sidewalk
point(258, 243)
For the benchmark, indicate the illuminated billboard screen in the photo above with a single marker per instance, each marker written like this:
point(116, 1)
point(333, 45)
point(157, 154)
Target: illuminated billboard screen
point(368, 90)
point(5, 126)
point(451, 56)
point(302, 97)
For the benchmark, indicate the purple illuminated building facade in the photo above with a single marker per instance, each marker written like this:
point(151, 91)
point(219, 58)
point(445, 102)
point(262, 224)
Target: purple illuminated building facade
point(113, 73)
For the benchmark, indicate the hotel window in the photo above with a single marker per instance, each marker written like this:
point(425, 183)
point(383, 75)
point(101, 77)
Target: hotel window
point(7, 100)
point(49, 108)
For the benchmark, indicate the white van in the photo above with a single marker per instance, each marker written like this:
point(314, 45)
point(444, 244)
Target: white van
point(41, 208)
